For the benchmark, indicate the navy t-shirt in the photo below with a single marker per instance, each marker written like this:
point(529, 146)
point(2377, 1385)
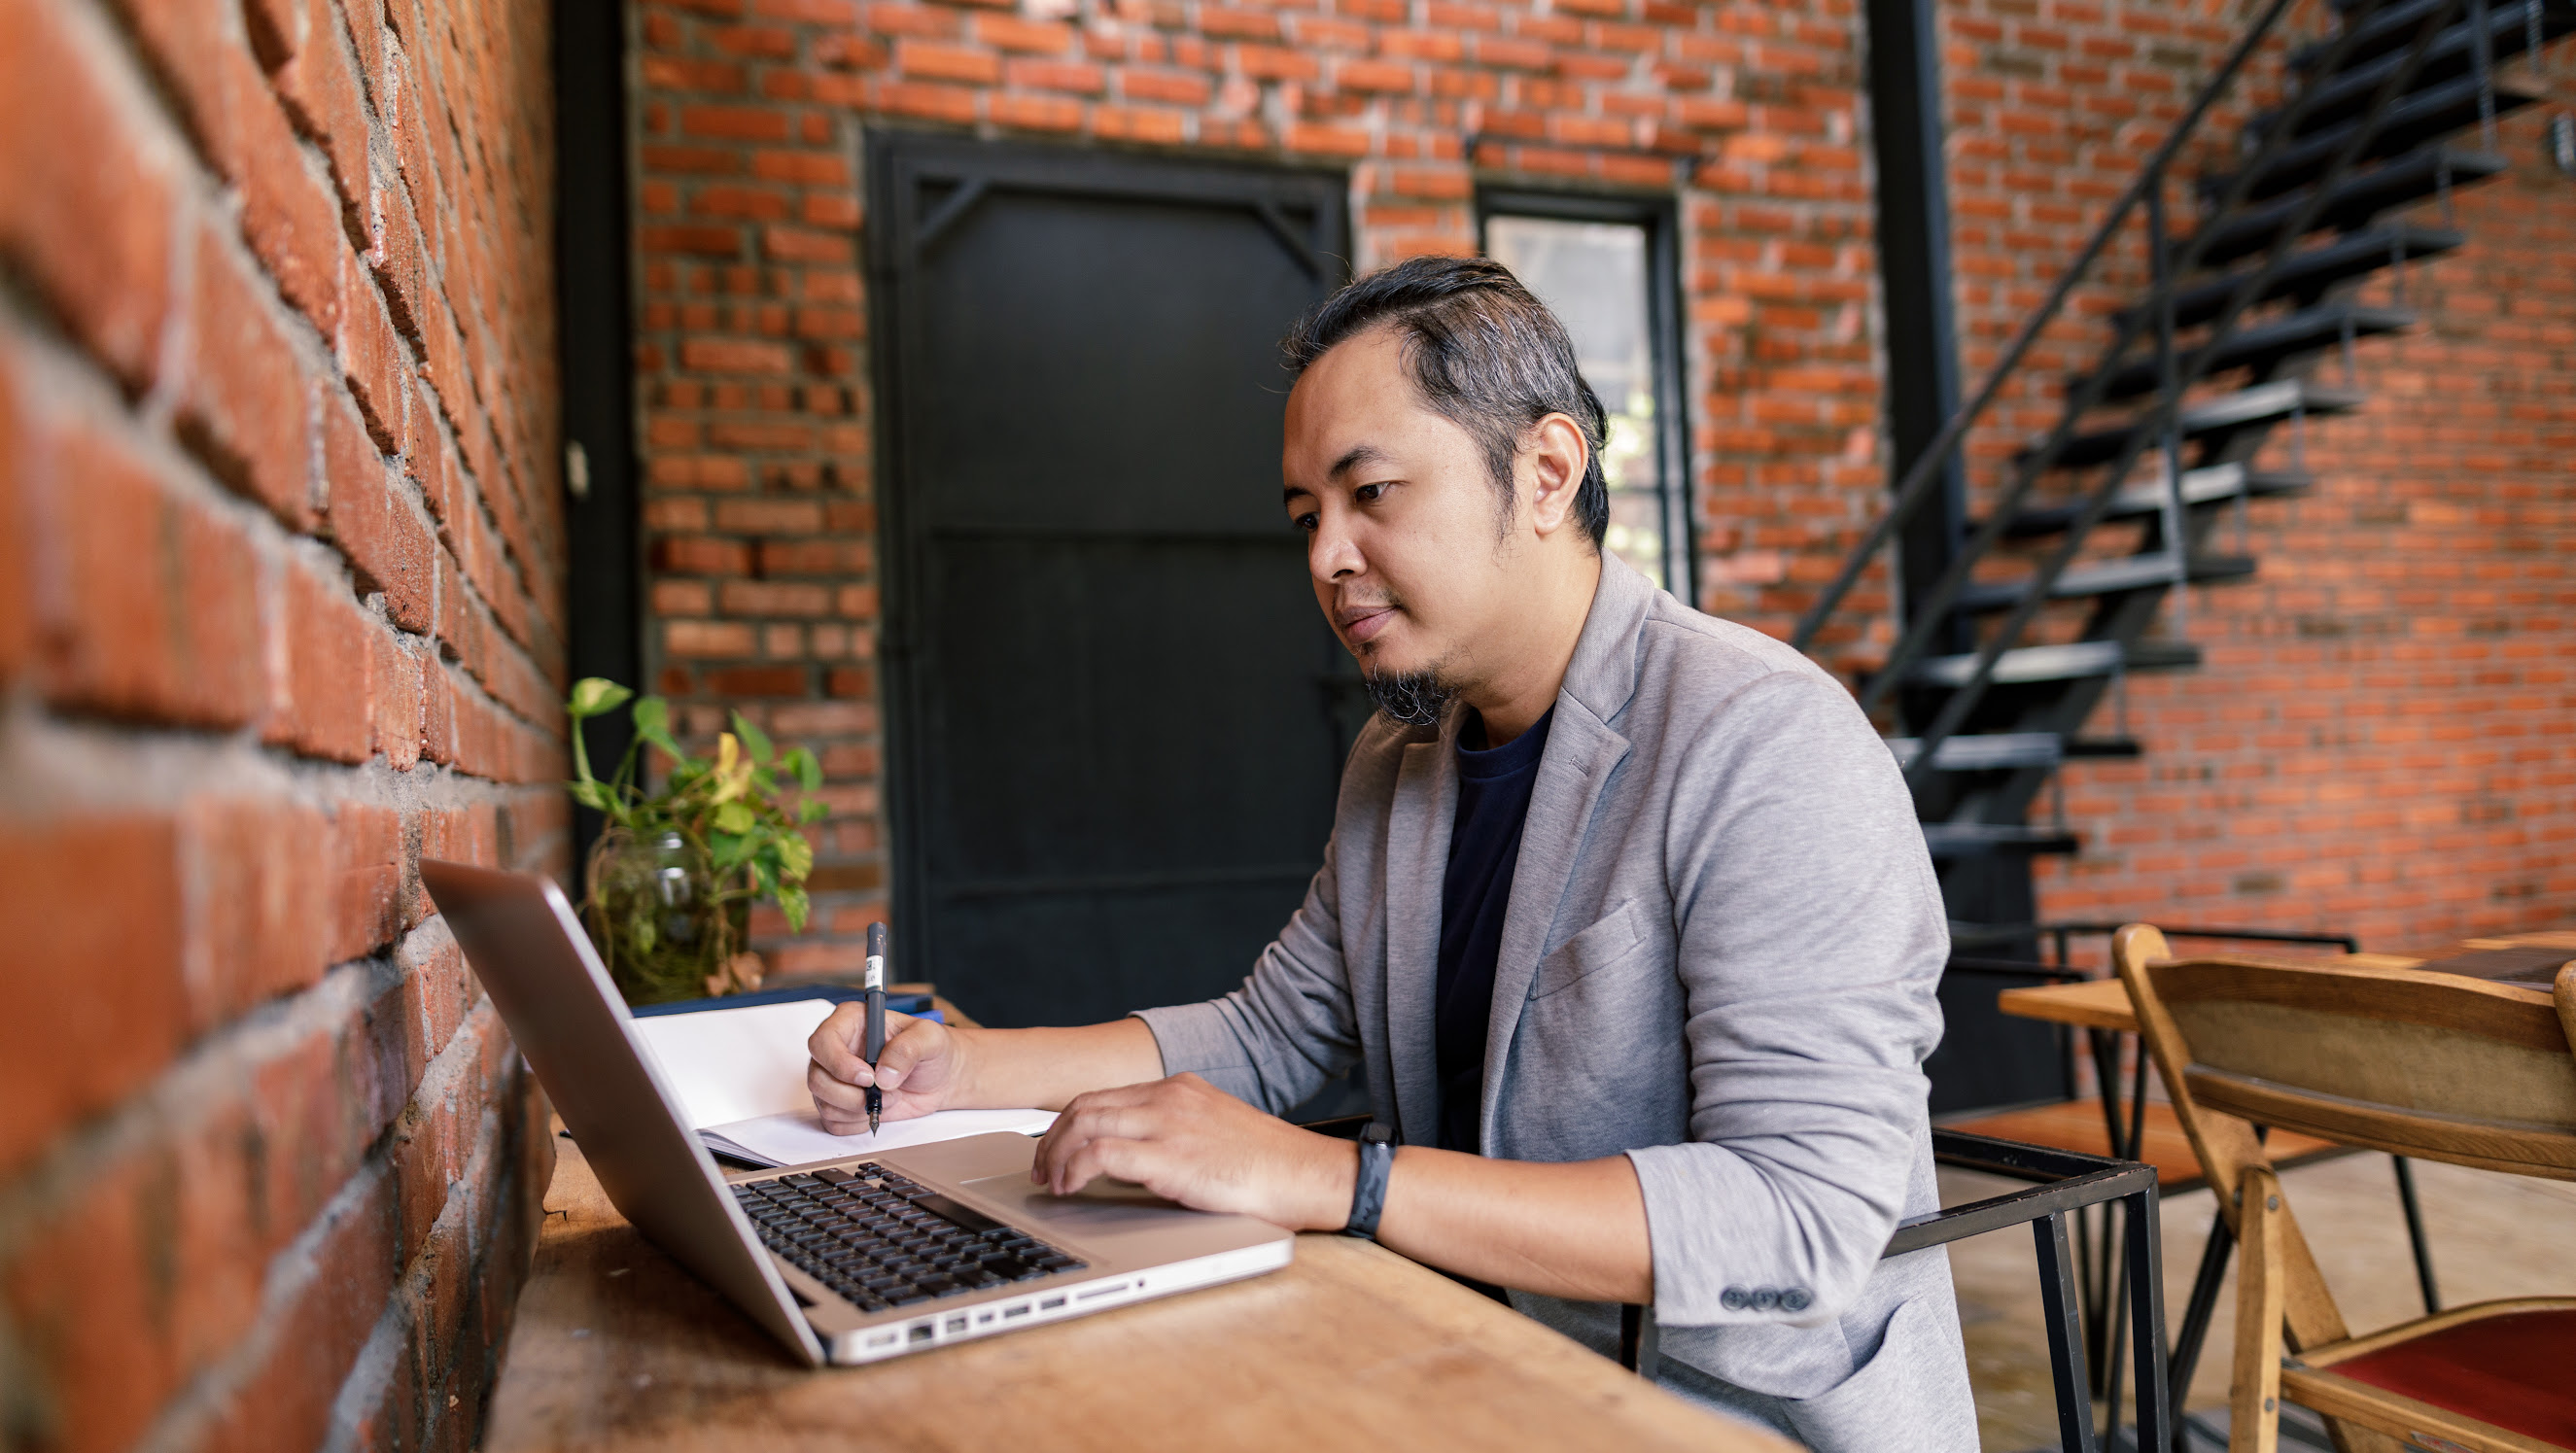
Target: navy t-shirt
point(1484, 844)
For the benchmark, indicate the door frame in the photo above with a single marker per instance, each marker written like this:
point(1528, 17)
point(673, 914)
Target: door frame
point(896, 162)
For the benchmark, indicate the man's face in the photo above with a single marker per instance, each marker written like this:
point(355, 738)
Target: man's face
point(1410, 561)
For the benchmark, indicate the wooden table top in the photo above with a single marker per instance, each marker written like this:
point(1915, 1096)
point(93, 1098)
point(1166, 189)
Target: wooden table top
point(617, 1348)
point(2104, 1003)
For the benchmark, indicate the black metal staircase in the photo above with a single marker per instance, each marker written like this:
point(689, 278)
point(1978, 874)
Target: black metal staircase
point(1996, 670)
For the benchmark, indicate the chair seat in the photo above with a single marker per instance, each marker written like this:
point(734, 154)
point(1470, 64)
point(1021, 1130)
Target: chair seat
point(2516, 1371)
point(2077, 1125)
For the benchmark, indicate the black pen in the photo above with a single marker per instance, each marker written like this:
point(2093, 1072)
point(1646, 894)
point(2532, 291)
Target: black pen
point(876, 1014)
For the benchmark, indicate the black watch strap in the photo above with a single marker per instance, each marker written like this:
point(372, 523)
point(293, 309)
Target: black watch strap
point(1368, 1193)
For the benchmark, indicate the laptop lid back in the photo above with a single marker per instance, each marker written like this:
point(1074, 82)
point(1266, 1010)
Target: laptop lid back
point(523, 941)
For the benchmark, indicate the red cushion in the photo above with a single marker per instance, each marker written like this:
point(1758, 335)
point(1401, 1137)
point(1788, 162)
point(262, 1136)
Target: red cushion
point(2516, 1371)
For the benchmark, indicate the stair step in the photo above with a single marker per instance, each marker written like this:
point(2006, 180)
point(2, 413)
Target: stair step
point(2392, 28)
point(1951, 840)
point(2453, 54)
point(2356, 199)
point(2262, 346)
point(2109, 577)
point(2308, 272)
point(2104, 747)
point(2263, 405)
point(2072, 661)
point(1985, 751)
point(2422, 116)
point(2211, 485)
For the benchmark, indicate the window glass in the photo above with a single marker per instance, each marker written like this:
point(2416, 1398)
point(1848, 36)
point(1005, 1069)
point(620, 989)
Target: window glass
point(1592, 275)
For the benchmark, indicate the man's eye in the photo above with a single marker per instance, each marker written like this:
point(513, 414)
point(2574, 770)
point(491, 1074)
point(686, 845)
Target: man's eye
point(1304, 522)
point(1368, 493)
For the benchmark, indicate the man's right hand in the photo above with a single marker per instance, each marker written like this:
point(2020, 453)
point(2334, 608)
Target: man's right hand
point(922, 1069)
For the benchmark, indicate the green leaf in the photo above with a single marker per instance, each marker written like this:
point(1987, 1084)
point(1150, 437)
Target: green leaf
point(809, 772)
point(728, 851)
point(735, 817)
point(592, 795)
point(592, 695)
point(767, 881)
point(811, 811)
point(754, 740)
point(795, 856)
point(793, 902)
point(653, 724)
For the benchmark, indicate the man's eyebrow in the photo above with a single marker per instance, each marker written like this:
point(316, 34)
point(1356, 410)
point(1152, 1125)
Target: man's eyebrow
point(1359, 455)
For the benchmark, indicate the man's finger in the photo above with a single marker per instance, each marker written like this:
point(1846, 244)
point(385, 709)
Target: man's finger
point(831, 1043)
point(831, 1094)
point(909, 1041)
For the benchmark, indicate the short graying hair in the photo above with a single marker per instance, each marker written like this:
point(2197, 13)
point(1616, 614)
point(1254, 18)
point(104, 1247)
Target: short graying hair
point(1486, 354)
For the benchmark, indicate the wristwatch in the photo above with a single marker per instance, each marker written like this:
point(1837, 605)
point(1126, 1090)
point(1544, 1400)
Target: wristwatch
point(1368, 1193)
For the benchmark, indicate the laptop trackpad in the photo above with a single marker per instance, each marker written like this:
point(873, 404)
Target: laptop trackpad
point(1103, 1208)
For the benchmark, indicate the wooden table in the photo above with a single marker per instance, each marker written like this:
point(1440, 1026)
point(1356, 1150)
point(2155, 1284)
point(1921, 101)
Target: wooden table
point(617, 1348)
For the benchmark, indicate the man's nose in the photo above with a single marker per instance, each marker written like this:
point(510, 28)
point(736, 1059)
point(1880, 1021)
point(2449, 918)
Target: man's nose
point(1331, 553)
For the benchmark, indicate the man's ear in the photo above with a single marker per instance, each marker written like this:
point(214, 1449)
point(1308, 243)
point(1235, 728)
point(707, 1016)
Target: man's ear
point(1554, 455)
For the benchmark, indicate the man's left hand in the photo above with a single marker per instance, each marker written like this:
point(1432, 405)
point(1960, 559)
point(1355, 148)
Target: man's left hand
point(1188, 1141)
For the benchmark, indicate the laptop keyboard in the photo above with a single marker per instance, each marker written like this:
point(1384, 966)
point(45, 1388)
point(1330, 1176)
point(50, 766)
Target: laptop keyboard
point(883, 1241)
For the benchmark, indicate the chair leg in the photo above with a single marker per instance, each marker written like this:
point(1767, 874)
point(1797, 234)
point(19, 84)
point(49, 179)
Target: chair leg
point(2415, 1234)
point(2066, 1366)
point(2254, 1401)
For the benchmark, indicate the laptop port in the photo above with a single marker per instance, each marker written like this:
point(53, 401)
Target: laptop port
point(1100, 1292)
point(1021, 1310)
point(883, 1339)
point(1050, 1304)
point(921, 1331)
point(957, 1324)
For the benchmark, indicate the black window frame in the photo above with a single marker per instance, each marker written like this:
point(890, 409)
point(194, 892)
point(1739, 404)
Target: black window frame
point(1660, 216)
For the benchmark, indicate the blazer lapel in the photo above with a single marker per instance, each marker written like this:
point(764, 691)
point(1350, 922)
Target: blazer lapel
point(1417, 862)
point(1582, 752)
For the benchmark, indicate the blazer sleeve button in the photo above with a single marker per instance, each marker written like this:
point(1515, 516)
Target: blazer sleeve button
point(1733, 1299)
point(1796, 1299)
point(1765, 1299)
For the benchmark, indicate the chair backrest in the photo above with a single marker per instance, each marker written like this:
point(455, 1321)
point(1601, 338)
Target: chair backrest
point(2427, 1065)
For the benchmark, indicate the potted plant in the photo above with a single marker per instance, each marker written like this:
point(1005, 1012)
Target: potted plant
point(673, 877)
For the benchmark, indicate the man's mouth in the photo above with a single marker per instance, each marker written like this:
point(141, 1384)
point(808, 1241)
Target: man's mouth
point(1361, 623)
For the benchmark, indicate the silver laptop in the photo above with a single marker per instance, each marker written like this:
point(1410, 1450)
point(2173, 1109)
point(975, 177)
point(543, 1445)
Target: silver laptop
point(844, 1261)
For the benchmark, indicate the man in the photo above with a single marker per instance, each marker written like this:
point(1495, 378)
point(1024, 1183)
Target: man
point(1625, 913)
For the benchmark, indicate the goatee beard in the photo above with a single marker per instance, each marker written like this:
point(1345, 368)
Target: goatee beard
point(1412, 698)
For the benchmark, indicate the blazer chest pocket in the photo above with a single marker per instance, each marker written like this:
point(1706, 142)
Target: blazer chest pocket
point(1619, 935)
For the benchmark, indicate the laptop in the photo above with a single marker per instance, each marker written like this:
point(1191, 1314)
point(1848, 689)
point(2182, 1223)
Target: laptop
point(844, 1261)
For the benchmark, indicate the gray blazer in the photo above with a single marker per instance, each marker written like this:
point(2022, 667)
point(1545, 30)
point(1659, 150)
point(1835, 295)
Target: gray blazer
point(1719, 958)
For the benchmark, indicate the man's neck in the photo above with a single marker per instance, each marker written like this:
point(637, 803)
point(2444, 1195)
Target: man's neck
point(1525, 677)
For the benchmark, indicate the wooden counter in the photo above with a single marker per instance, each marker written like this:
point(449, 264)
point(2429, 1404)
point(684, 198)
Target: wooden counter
point(617, 1348)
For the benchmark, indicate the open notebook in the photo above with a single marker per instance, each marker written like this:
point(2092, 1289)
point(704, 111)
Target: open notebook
point(740, 1077)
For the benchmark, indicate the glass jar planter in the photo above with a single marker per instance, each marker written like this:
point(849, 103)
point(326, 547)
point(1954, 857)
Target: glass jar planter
point(660, 923)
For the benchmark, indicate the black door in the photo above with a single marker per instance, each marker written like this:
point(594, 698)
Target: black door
point(1116, 717)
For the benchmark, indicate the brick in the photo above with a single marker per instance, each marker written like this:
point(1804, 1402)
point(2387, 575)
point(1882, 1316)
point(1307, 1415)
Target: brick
point(399, 710)
point(92, 224)
point(746, 681)
point(152, 611)
point(322, 701)
point(371, 356)
point(719, 355)
point(366, 910)
point(1175, 87)
point(1008, 32)
point(247, 400)
point(773, 598)
point(330, 1308)
point(1272, 63)
point(928, 60)
point(320, 88)
point(372, 517)
point(102, 1006)
point(17, 604)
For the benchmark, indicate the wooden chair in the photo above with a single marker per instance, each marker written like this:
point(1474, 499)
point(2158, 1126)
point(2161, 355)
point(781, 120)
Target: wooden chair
point(2417, 1064)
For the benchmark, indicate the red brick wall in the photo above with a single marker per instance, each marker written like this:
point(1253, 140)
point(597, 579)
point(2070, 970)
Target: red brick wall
point(760, 514)
point(280, 611)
